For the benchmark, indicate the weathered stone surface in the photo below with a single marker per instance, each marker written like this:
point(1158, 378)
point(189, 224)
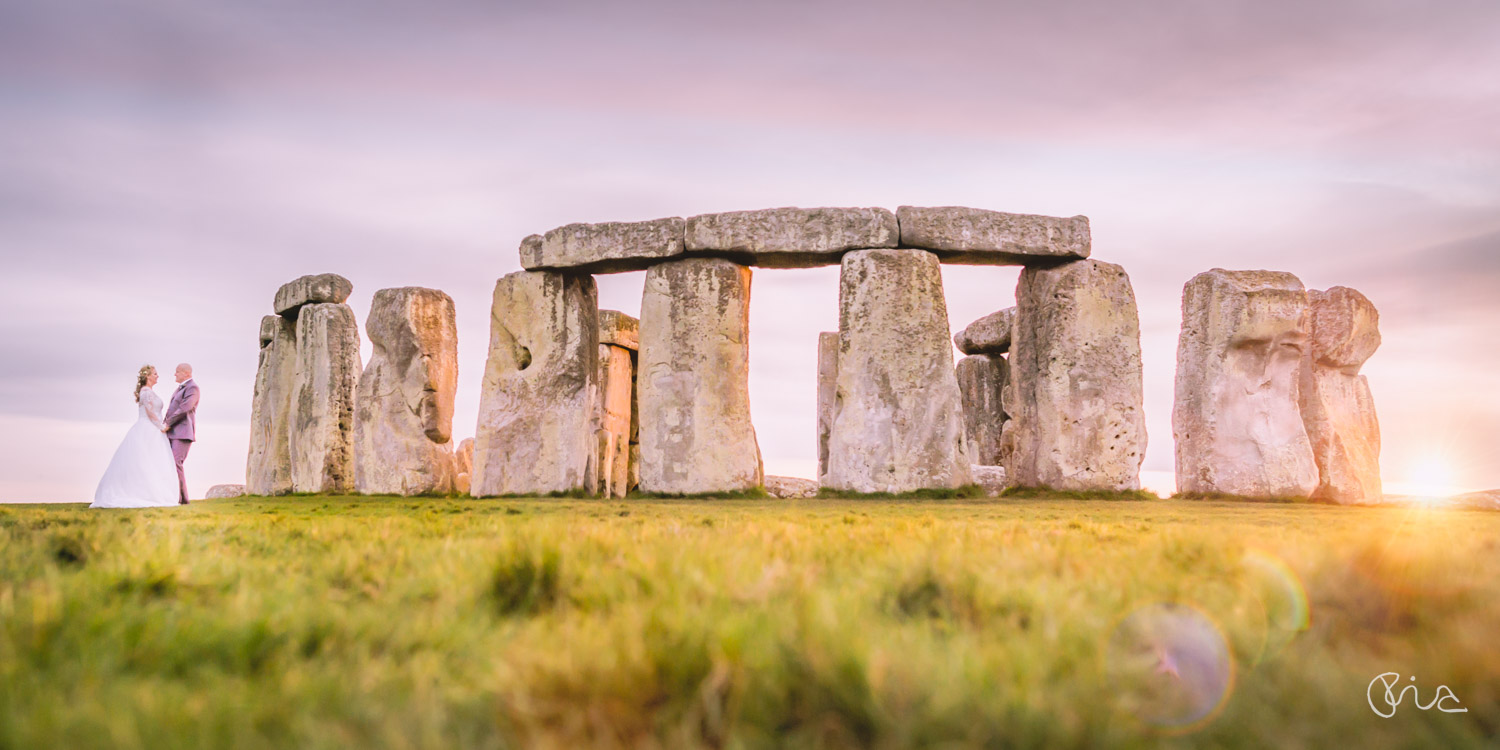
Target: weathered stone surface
point(463, 456)
point(616, 378)
point(981, 379)
point(989, 478)
point(403, 414)
point(323, 288)
point(462, 483)
point(988, 335)
point(609, 247)
point(694, 390)
point(791, 237)
point(897, 423)
point(225, 491)
point(828, 375)
point(1338, 409)
point(268, 470)
point(536, 430)
point(1078, 422)
point(322, 409)
point(1236, 418)
point(618, 329)
point(975, 236)
point(790, 488)
point(1344, 328)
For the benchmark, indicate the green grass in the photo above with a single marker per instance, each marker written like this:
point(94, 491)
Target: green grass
point(318, 622)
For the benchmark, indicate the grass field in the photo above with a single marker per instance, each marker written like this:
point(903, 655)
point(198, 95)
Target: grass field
point(1029, 623)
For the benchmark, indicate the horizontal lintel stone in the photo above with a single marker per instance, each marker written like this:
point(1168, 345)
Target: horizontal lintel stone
point(610, 247)
point(975, 236)
point(791, 237)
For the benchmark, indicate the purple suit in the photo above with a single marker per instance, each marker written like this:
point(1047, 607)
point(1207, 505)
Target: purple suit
point(181, 422)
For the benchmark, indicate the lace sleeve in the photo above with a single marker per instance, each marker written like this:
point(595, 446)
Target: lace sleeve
point(152, 404)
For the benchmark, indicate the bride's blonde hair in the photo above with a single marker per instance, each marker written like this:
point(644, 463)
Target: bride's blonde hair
point(140, 380)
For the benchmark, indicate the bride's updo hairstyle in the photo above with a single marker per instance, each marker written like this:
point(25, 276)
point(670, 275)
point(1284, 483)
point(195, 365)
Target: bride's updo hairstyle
point(140, 380)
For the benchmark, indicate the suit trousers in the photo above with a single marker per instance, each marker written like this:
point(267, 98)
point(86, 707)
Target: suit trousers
point(179, 454)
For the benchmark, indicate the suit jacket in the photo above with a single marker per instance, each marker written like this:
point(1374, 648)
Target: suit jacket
point(181, 418)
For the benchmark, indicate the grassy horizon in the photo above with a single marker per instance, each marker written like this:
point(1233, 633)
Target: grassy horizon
point(427, 622)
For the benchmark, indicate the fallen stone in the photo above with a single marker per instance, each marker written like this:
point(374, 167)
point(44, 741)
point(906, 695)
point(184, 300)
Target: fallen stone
point(694, 389)
point(610, 247)
point(1338, 409)
point(791, 237)
point(790, 488)
point(897, 424)
point(225, 491)
point(1236, 419)
point(618, 329)
point(981, 379)
point(323, 288)
point(403, 416)
point(536, 428)
point(322, 408)
point(462, 483)
point(268, 469)
point(991, 479)
point(1077, 421)
point(828, 374)
point(616, 376)
point(975, 236)
point(988, 335)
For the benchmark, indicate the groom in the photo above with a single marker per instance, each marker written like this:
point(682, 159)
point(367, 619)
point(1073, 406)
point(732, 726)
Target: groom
point(179, 423)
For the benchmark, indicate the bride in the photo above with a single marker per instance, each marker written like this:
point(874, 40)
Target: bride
point(142, 474)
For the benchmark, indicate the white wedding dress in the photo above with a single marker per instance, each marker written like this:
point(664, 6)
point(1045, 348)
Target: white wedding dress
point(143, 473)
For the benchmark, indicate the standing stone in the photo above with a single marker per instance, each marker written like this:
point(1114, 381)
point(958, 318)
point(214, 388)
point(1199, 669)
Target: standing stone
point(403, 417)
point(981, 379)
point(791, 237)
point(463, 460)
point(694, 387)
point(322, 409)
point(828, 375)
point(990, 334)
point(268, 470)
point(979, 237)
point(897, 423)
point(609, 247)
point(536, 430)
point(1078, 422)
point(1337, 406)
point(1236, 418)
point(615, 379)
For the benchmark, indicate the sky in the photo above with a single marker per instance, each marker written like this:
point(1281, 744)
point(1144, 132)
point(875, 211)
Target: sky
point(167, 165)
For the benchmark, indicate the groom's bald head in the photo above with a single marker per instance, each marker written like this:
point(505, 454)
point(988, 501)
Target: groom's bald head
point(184, 371)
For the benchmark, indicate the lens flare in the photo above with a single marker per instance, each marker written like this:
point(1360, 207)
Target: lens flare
point(1282, 597)
point(1170, 666)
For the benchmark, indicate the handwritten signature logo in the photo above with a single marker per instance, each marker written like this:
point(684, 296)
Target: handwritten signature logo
point(1394, 699)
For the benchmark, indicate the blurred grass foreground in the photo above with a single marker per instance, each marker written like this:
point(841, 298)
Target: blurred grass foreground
point(317, 622)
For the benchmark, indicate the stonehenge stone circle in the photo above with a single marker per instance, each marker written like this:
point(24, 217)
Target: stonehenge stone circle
point(1337, 406)
point(828, 374)
point(322, 403)
point(694, 391)
point(791, 237)
point(323, 288)
point(1236, 420)
point(618, 337)
point(989, 335)
point(981, 380)
point(1077, 419)
point(268, 470)
point(403, 416)
point(604, 248)
point(974, 236)
point(897, 425)
point(536, 428)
